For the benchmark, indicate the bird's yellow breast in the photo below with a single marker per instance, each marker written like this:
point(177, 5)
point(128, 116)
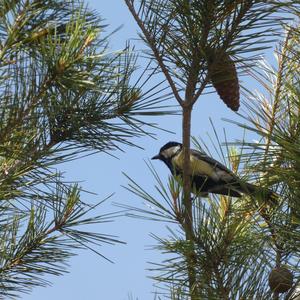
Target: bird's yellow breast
point(198, 167)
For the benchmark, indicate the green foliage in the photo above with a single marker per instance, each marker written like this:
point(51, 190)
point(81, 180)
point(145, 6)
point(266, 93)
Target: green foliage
point(32, 244)
point(223, 248)
point(63, 93)
point(204, 31)
point(228, 264)
point(277, 154)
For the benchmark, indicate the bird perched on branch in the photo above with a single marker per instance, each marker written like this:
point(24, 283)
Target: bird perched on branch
point(209, 175)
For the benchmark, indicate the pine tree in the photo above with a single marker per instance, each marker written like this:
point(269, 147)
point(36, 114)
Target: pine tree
point(222, 247)
point(63, 94)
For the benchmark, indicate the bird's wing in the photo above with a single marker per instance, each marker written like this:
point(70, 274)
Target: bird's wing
point(199, 167)
point(203, 165)
point(213, 168)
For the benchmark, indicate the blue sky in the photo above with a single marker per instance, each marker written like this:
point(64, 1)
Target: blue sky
point(90, 276)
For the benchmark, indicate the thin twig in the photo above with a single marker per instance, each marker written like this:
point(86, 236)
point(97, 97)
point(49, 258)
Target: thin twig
point(158, 57)
point(18, 261)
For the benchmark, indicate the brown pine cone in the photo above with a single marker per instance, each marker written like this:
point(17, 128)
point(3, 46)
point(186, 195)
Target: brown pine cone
point(280, 280)
point(225, 80)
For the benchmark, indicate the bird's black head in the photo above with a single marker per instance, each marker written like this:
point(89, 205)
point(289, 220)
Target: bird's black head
point(168, 151)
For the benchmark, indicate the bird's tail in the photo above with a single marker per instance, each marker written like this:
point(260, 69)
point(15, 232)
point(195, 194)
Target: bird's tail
point(260, 193)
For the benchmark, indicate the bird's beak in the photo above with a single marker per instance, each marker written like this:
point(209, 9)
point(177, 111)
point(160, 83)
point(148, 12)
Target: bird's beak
point(156, 156)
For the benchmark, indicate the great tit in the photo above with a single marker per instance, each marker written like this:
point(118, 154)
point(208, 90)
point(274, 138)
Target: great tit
point(208, 175)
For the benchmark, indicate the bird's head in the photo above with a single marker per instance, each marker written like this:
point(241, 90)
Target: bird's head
point(168, 151)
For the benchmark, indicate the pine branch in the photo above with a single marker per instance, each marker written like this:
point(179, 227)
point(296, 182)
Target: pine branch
point(62, 93)
point(276, 161)
point(199, 30)
point(45, 246)
point(152, 43)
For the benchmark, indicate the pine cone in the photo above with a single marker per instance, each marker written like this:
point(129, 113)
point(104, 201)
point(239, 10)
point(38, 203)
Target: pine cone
point(225, 80)
point(280, 280)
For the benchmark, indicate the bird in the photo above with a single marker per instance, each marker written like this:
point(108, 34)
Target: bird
point(208, 175)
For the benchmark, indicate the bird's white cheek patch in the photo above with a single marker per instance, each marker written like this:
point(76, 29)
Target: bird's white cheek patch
point(171, 151)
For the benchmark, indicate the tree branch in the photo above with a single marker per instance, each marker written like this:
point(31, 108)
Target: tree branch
point(158, 57)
